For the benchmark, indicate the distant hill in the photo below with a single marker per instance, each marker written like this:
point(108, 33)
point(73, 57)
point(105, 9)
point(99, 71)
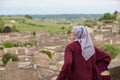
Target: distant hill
point(63, 16)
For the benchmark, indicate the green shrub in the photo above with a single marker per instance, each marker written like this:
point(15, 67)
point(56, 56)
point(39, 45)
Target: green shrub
point(6, 57)
point(16, 45)
point(63, 27)
point(69, 31)
point(33, 33)
point(15, 58)
point(28, 16)
point(113, 50)
point(48, 53)
point(2, 47)
point(89, 23)
point(109, 21)
point(28, 43)
point(8, 44)
point(1, 25)
point(108, 18)
point(14, 29)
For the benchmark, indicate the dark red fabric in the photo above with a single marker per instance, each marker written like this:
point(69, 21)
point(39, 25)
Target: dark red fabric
point(102, 62)
point(77, 68)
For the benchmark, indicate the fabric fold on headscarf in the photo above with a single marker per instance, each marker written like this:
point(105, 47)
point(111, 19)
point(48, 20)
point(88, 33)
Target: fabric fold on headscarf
point(84, 39)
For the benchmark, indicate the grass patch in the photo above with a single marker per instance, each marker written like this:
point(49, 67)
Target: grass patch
point(113, 50)
point(23, 24)
point(48, 53)
point(6, 57)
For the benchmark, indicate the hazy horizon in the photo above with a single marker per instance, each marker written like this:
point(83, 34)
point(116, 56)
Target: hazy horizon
point(49, 14)
point(48, 7)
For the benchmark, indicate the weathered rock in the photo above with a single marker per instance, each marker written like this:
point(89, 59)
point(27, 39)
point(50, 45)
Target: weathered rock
point(115, 62)
point(60, 64)
point(42, 60)
point(90, 30)
point(59, 56)
point(11, 65)
point(117, 57)
point(20, 74)
point(115, 68)
point(53, 67)
point(98, 37)
point(115, 73)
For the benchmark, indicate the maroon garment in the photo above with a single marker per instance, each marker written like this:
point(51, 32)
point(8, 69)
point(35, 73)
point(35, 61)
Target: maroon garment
point(102, 62)
point(77, 68)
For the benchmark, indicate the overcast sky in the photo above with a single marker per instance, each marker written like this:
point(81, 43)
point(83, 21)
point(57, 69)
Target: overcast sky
point(58, 6)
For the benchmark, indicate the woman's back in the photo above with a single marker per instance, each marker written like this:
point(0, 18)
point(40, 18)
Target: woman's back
point(83, 61)
point(81, 69)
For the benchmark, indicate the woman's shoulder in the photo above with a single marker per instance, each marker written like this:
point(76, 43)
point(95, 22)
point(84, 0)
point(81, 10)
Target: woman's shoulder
point(73, 44)
point(97, 49)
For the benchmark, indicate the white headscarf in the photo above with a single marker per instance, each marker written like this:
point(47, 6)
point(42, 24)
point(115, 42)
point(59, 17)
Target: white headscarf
point(83, 37)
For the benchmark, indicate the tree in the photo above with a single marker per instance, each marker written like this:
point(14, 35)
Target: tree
point(6, 57)
point(108, 18)
point(28, 17)
point(115, 13)
point(1, 25)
